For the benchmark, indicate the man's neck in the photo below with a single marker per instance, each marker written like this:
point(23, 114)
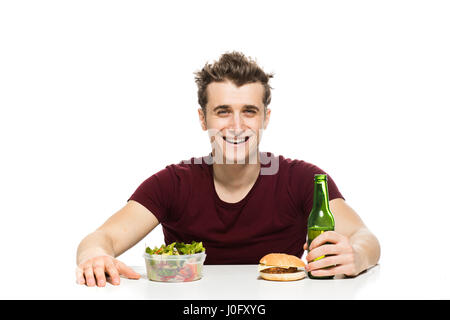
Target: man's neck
point(236, 176)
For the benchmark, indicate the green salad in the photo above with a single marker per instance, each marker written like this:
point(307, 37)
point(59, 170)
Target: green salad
point(177, 248)
point(175, 269)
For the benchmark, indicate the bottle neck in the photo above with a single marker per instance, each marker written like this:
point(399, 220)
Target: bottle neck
point(320, 201)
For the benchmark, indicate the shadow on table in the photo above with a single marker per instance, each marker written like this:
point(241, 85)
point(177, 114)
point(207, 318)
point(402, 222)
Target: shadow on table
point(341, 287)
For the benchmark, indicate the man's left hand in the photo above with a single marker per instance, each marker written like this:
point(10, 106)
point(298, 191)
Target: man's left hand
point(340, 256)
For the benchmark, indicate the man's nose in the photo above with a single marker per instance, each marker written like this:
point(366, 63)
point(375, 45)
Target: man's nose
point(237, 123)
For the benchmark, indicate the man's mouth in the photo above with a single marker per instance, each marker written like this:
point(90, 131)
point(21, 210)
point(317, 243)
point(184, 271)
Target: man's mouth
point(236, 140)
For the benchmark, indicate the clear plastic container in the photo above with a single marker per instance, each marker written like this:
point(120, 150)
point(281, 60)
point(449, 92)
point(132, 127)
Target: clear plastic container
point(174, 268)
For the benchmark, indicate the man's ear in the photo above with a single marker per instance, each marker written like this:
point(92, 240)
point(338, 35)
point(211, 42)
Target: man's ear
point(266, 118)
point(202, 118)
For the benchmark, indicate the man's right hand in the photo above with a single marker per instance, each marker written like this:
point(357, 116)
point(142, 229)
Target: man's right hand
point(95, 271)
point(96, 252)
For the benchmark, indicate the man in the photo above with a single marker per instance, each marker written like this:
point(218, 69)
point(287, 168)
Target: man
point(240, 202)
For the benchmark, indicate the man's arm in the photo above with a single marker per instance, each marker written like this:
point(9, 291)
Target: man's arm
point(96, 253)
point(353, 247)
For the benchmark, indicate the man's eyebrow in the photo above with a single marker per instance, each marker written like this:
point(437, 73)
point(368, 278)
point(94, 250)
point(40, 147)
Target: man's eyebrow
point(250, 106)
point(224, 106)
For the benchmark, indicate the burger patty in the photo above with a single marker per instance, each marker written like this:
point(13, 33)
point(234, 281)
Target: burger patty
point(280, 270)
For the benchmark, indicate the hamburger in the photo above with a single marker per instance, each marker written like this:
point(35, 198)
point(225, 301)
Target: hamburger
point(281, 267)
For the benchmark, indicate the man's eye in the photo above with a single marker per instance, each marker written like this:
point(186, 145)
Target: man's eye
point(250, 111)
point(222, 111)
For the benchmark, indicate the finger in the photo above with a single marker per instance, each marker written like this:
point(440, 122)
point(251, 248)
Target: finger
point(344, 260)
point(328, 236)
point(326, 249)
point(126, 271)
point(112, 272)
point(332, 271)
point(99, 272)
point(305, 246)
point(330, 261)
point(89, 275)
point(80, 276)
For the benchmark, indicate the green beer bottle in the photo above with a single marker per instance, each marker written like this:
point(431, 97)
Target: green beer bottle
point(320, 218)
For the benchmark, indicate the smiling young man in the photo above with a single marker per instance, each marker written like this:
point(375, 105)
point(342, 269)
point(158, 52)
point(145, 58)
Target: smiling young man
point(240, 202)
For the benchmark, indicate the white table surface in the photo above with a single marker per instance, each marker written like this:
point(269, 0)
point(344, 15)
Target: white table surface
point(388, 280)
point(241, 282)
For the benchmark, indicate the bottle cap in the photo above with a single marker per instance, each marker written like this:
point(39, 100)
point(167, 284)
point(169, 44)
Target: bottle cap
point(320, 177)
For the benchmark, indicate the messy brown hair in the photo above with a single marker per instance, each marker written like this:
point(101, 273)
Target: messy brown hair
point(235, 67)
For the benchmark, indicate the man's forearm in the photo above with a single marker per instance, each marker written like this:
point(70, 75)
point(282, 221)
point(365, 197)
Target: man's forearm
point(95, 244)
point(367, 249)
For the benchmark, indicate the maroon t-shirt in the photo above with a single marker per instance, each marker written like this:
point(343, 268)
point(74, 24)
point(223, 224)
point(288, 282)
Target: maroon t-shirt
point(272, 217)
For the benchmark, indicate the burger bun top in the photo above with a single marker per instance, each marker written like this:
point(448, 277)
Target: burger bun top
point(282, 260)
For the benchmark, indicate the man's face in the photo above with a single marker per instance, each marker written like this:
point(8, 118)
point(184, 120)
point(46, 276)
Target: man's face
point(235, 120)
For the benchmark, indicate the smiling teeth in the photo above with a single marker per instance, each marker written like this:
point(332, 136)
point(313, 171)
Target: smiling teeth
point(235, 141)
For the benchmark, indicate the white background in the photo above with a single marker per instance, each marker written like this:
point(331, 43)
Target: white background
point(96, 96)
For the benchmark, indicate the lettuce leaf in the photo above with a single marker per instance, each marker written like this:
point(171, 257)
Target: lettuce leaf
point(177, 248)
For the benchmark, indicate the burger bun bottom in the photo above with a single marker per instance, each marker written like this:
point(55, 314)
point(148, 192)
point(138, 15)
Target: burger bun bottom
point(283, 276)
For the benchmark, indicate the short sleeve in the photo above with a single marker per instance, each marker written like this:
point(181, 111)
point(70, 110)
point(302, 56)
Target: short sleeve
point(156, 194)
point(302, 183)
